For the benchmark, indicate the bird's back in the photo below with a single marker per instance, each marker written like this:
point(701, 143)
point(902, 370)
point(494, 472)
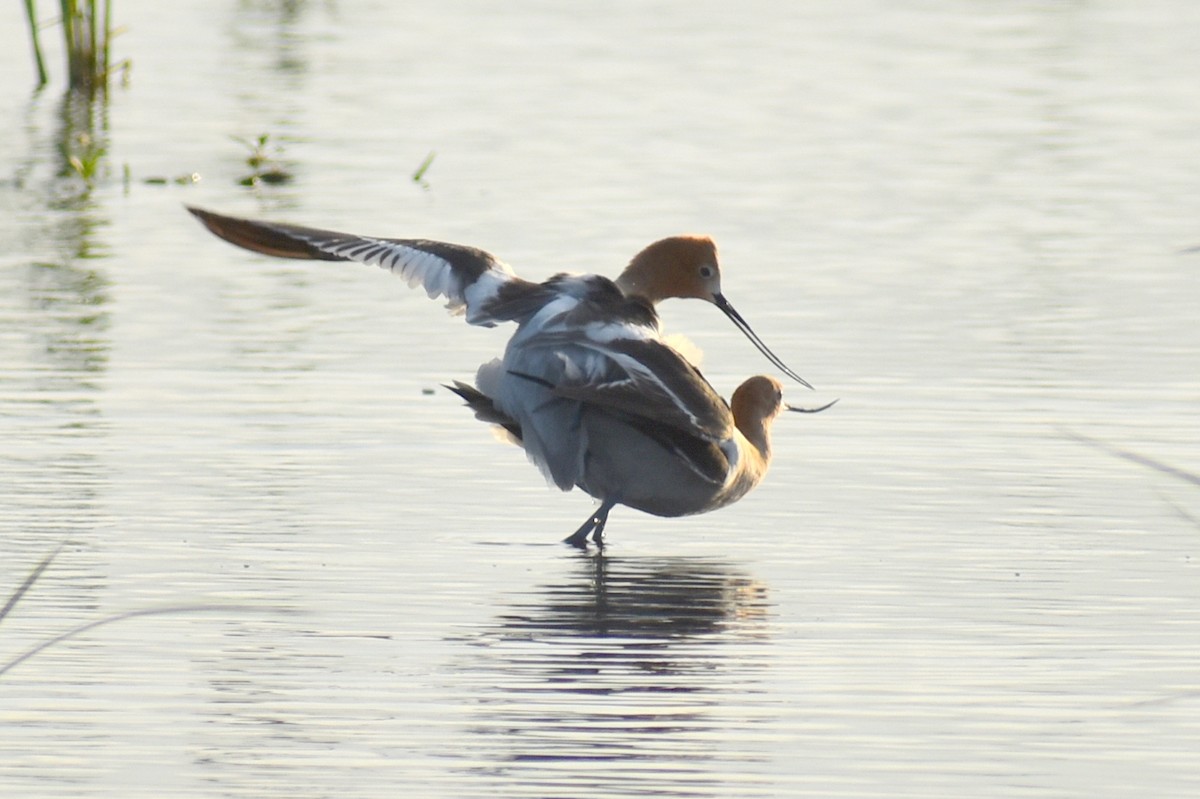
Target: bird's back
point(601, 402)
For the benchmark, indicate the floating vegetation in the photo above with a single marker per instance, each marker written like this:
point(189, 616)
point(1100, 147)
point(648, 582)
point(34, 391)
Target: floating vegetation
point(265, 162)
point(178, 180)
point(87, 157)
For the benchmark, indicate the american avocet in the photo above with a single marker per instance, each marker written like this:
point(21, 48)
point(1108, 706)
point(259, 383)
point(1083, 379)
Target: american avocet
point(586, 385)
point(487, 289)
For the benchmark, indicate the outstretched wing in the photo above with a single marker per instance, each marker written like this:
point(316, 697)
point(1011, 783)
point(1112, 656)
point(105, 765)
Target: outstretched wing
point(472, 280)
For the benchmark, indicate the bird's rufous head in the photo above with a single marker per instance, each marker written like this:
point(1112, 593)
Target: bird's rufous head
point(686, 267)
point(760, 398)
point(679, 266)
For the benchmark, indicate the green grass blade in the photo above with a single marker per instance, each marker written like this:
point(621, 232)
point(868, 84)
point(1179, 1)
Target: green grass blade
point(39, 61)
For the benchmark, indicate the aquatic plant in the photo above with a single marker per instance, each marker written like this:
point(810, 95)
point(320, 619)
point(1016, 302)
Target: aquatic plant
point(86, 159)
point(419, 175)
point(39, 62)
point(264, 161)
point(87, 35)
point(83, 141)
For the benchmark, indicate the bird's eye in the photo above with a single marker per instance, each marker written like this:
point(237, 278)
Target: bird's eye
point(706, 271)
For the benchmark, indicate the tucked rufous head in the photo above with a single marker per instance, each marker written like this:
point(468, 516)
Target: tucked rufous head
point(686, 267)
point(756, 403)
point(760, 398)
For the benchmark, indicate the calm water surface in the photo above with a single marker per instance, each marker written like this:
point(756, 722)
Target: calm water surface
point(977, 576)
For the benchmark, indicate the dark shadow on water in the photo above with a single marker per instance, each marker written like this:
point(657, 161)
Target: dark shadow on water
point(630, 674)
point(656, 598)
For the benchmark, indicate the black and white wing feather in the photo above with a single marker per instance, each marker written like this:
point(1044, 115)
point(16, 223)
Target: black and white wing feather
point(473, 281)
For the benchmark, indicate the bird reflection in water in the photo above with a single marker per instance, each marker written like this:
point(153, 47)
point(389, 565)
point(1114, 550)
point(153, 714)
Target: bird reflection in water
point(664, 598)
point(657, 664)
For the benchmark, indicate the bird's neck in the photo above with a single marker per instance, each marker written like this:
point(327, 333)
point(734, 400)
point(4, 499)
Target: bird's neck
point(758, 435)
point(753, 460)
point(645, 283)
point(632, 286)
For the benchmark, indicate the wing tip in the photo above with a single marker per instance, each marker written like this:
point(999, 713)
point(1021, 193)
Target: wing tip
point(265, 238)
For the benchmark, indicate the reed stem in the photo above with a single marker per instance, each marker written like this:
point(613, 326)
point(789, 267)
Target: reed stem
point(87, 29)
point(31, 13)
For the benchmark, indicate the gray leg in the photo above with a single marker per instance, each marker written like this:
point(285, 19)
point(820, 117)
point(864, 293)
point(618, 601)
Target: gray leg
point(594, 526)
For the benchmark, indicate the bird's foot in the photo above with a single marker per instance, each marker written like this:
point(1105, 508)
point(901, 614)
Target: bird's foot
point(580, 536)
point(594, 526)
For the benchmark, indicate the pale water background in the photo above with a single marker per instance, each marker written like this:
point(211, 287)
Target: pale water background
point(970, 221)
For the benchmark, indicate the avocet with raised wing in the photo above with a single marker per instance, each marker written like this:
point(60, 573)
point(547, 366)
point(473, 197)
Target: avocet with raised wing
point(587, 385)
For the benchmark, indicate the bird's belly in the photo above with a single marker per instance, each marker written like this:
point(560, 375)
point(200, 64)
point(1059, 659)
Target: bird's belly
point(622, 463)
